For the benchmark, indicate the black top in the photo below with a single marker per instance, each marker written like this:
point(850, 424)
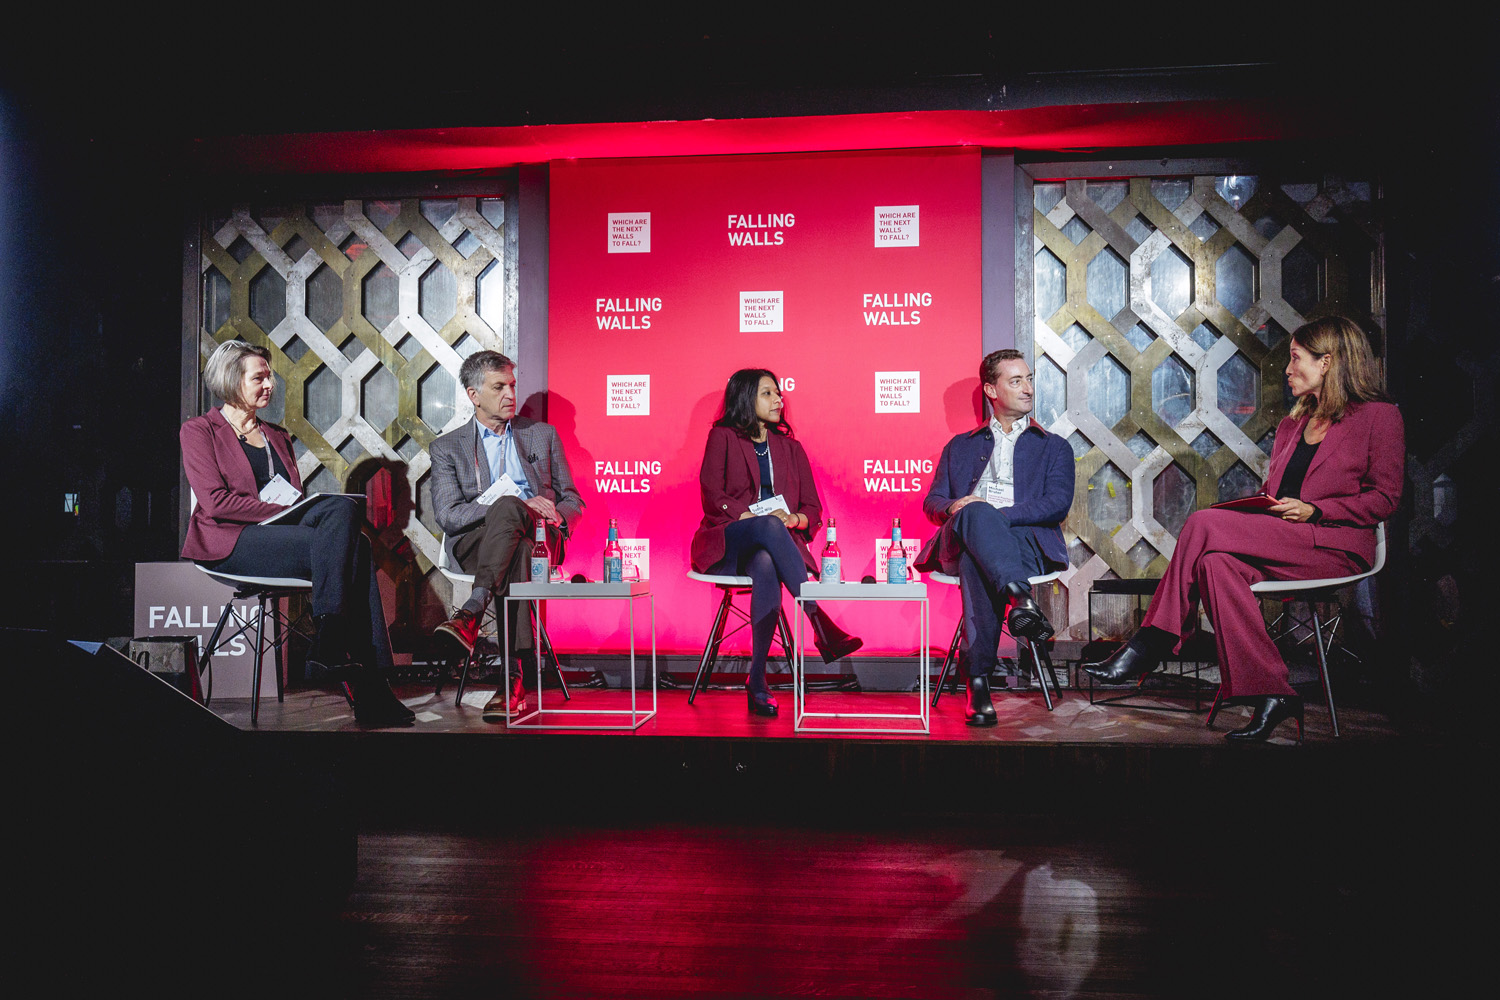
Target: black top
point(1296, 469)
point(763, 458)
point(257, 457)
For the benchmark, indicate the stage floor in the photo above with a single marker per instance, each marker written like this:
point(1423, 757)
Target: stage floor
point(1023, 716)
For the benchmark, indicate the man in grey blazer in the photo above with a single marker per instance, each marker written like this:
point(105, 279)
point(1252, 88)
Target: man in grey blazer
point(493, 540)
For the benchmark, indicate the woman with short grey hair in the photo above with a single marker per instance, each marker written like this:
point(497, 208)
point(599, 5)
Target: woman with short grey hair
point(243, 472)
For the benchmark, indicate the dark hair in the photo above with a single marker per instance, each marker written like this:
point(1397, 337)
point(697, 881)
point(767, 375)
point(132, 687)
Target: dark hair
point(738, 410)
point(989, 368)
point(479, 364)
point(1353, 373)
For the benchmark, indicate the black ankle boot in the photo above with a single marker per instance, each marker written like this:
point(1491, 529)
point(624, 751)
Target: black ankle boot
point(1026, 619)
point(758, 694)
point(1270, 712)
point(1130, 662)
point(833, 642)
point(375, 704)
point(979, 711)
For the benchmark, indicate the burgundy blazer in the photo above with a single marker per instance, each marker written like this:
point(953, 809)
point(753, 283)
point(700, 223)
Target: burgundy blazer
point(729, 482)
point(1355, 477)
point(224, 484)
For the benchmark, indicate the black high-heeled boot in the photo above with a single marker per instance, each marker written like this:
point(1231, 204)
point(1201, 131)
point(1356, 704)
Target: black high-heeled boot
point(375, 704)
point(1270, 712)
point(1134, 660)
point(833, 642)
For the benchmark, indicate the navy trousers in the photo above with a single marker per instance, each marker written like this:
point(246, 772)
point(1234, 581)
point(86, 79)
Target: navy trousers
point(986, 552)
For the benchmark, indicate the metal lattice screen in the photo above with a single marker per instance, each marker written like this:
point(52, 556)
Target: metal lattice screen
point(1162, 307)
point(368, 308)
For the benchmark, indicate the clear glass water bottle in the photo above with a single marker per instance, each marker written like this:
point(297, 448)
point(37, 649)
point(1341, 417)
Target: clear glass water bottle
point(614, 556)
point(832, 568)
point(541, 559)
point(895, 560)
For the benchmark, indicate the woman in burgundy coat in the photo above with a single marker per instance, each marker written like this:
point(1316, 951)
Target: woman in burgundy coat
point(1336, 471)
point(242, 471)
point(751, 456)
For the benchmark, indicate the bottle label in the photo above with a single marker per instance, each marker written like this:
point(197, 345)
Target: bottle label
point(540, 569)
point(831, 570)
point(895, 569)
point(614, 569)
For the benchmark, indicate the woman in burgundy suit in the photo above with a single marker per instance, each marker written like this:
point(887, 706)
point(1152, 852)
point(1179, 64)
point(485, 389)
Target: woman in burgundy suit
point(1336, 471)
point(242, 472)
point(752, 456)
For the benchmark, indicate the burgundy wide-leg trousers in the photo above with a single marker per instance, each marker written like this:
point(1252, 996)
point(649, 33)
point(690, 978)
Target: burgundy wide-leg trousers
point(1220, 553)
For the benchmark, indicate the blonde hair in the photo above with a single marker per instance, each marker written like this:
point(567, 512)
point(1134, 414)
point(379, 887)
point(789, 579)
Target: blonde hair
point(1353, 374)
point(224, 374)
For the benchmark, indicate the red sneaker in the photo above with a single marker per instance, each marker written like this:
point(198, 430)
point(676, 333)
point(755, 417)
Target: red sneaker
point(463, 628)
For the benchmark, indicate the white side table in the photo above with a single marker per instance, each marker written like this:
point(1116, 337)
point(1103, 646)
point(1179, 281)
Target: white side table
point(630, 592)
point(862, 592)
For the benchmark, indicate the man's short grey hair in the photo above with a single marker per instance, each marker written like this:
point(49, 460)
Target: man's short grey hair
point(225, 372)
point(476, 366)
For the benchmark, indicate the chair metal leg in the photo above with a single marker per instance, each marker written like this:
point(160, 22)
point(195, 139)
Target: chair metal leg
point(948, 661)
point(711, 647)
point(260, 647)
point(205, 669)
point(1218, 704)
point(1323, 666)
point(784, 628)
point(279, 640)
point(1039, 654)
point(552, 657)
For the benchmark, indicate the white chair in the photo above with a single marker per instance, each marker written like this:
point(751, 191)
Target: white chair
point(448, 565)
point(265, 589)
point(731, 587)
point(1037, 651)
point(1312, 591)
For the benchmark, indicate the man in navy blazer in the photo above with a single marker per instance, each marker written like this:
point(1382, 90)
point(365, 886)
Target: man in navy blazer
point(1000, 494)
point(493, 540)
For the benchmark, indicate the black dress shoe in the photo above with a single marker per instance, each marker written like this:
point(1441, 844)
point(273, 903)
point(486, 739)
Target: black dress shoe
point(979, 711)
point(1026, 619)
point(1270, 712)
point(1125, 664)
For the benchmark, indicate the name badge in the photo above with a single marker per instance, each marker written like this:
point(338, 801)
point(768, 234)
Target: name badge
point(280, 492)
point(769, 504)
point(998, 495)
point(502, 487)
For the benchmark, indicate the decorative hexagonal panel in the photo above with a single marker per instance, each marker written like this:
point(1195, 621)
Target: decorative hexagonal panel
point(378, 398)
point(1051, 391)
point(1108, 283)
point(380, 297)
point(1051, 280)
point(1174, 496)
point(1109, 498)
point(437, 295)
point(1109, 390)
point(322, 401)
point(1172, 282)
point(1239, 389)
point(1301, 278)
point(267, 299)
point(435, 398)
point(325, 298)
point(1172, 391)
point(1234, 280)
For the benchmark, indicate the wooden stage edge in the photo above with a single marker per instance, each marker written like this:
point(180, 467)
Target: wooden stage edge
point(712, 759)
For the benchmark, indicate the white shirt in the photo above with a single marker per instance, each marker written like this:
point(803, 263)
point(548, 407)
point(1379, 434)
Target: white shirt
point(1001, 470)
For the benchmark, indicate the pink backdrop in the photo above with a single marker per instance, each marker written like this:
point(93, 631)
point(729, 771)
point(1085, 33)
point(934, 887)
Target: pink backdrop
point(649, 262)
